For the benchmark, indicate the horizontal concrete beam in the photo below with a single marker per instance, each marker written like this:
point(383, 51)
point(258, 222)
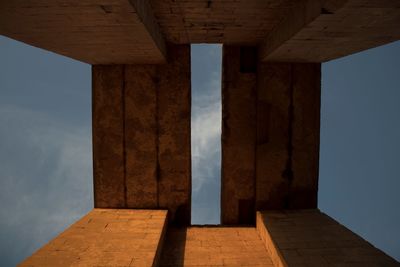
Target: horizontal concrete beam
point(311, 238)
point(109, 32)
point(107, 237)
point(319, 31)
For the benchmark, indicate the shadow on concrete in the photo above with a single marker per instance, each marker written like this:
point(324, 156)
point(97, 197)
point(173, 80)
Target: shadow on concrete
point(173, 252)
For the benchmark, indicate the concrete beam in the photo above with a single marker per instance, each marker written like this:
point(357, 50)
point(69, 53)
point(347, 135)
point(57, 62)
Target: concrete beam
point(110, 32)
point(107, 237)
point(297, 18)
point(311, 238)
point(319, 31)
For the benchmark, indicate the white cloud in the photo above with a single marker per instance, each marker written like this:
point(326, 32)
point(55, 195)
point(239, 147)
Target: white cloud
point(206, 133)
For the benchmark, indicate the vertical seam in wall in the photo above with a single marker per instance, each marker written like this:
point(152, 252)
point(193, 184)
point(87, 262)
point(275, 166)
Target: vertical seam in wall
point(289, 164)
point(123, 134)
point(94, 128)
point(157, 138)
point(255, 142)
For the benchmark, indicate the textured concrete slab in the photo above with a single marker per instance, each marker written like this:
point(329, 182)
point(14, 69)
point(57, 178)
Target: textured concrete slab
point(214, 246)
point(311, 238)
point(107, 237)
point(105, 32)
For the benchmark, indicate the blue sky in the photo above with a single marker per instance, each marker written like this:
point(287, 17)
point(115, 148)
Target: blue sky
point(46, 157)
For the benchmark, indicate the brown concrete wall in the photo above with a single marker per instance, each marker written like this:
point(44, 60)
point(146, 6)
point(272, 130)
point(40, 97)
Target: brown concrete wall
point(141, 135)
point(174, 156)
point(270, 136)
point(273, 101)
point(141, 138)
point(311, 238)
point(303, 191)
point(238, 139)
point(288, 119)
point(107, 237)
point(108, 136)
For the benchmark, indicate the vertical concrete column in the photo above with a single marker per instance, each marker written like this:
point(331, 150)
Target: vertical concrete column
point(108, 136)
point(288, 110)
point(174, 156)
point(303, 191)
point(141, 135)
point(238, 135)
point(273, 122)
point(141, 139)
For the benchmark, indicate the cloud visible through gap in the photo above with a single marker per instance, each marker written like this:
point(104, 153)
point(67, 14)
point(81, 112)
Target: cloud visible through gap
point(206, 133)
point(46, 179)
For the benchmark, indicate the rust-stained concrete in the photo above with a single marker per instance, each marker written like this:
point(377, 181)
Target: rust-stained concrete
point(106, 237)
point(311, 238)
point(141, 135)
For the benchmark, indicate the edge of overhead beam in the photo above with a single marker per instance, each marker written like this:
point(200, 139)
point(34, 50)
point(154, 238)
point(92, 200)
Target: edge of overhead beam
point(97, 33)
point(146, 16)
point(298, 17)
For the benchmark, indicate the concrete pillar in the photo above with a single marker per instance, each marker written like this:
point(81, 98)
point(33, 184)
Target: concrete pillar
point(141, 135)
point(288, 119)
point(270, 135)
point(238, 135)
point(108, 136)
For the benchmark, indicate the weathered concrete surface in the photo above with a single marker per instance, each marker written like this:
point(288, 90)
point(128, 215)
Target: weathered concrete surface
point(273, 101)
point(108, 136)
point(335, 29)
point(311, 238)
point(106, 32)
point(133, 31)
point(141, 135)
point(238, 140)
point(230, 22)
point(107, 237)
point(270, 137)
point(303, 191)
point(214, 246)
point(287, 154)
point(174, 156)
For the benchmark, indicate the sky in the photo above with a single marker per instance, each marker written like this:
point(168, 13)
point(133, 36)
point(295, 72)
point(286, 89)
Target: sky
point(46, 180)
